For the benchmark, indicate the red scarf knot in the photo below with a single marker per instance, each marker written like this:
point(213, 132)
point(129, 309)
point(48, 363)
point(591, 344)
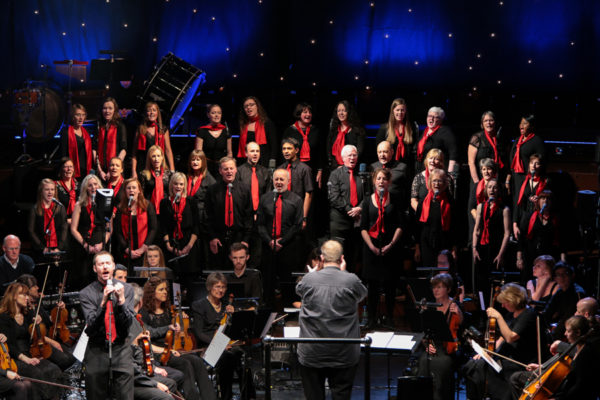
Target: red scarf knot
point(517, 164)
point(305, 149)
point(379, 224)
point(259, 135)
point(340, 141)
point(421, 146)
point(444, 207)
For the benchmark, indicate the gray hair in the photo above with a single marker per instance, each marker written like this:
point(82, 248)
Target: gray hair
point(347, 148)
point(437, 110)
point(11, 237)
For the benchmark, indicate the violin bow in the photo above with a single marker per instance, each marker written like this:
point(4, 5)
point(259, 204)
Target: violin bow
point(26, 378)
point(37, 311)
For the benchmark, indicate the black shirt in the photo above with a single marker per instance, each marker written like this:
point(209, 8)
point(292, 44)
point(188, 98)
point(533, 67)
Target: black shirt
point(355, 136)
point(36, 227)
point(251, 280)
point(215, 212)
point(535, 145)
point(442, 139)
point(213, 147)
point(244, 174)
point(399, 184)
point(168, 224)
point(339, 195)
point(206, 320)
point(121, 144)
point(316, 152)
point(302, 182)
point(291, 216)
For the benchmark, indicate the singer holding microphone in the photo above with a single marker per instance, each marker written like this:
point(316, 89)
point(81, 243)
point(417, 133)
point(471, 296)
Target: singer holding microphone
point(135, 222)
point(47, 223)
point(108, 311)
point(87, 230)
point(381, 230)
point(179, 232)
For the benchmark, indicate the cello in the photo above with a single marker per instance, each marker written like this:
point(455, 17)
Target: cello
point(59, 317)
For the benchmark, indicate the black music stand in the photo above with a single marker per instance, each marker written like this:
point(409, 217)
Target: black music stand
point(433, 324)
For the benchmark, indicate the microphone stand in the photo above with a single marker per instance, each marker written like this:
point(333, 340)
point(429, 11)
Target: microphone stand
point(47, 227)
point(273, 253)
point(130, 239)
point(110, 348)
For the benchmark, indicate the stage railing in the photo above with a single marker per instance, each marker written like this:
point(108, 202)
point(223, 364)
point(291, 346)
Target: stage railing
point(269, 340)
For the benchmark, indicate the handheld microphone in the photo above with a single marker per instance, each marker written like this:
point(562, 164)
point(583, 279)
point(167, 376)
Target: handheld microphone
point(362, 168)
point(109, 283)
point(329, 188)
point(229, 187)
point(94, 199)
point(54, 200)
point(177, 197)
point(381, 195)
point(543, 208)
point(275, 195)
point(436, 193)
point(130, 202)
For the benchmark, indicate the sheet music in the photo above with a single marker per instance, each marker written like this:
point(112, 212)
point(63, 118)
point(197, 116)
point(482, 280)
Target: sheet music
point(79, 352)
point(380, 340)
point(268, 325)
point(291, 331)
point(401, 342)
point(485, 356)
point(290, 310)
point(216, 348)
point(389, 340)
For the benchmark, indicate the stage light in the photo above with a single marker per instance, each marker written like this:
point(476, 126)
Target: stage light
point(450, 35)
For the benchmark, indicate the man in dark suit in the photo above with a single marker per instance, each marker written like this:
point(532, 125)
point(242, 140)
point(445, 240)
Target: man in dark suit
point(12, 263)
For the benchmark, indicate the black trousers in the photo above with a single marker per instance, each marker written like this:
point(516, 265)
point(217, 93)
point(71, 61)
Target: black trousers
point(154, 393)
point(340, 382)
point(477, 373)
point(45, 370)
point(441, 368)
point(96, 365)
point(194, 372)
point(17, 390)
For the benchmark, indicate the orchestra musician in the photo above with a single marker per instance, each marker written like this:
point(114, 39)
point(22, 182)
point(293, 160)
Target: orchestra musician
point(251, 279)
point(13, 264)
point(47, 224)
point(154, 258)
point(67, 187)
point(542, 286)
point(11, 385)
point(208, 313)
point(157, 316)
point(108, 312)
point(111, 140)
point(442, 355)
point(150, 133)
point(76, 142)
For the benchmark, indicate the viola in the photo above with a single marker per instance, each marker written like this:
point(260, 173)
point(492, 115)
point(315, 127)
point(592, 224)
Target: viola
point(490, 331)
point(39, 348)
point(453, 321)
point(6, 362)
point(184, 340)
point(166, 354)
point(146, 349)
point(59, 318)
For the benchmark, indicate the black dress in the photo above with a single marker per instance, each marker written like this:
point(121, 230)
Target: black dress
point(188, 266)
point(213, 147)
point(432, 238)
point(37, 229)
point(81, 269)
point(533, 146)
point(122, 241)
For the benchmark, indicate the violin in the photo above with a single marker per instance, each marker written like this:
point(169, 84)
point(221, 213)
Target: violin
point(453, 321)
point(146, 349)
point(59, 318)
point(166, 354)
point(184, 340)
point(490, 330)
point(6, 362)
point(39, 348)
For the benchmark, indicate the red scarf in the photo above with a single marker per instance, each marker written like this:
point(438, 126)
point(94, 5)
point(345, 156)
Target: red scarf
point(516, 164)
point(193, 189)
point(305, 149)
point(117, 186)
point(72, 195)
point(485, 232)
point(493, 142)
point(339, 143)
point(421, 146)
point(228, 209)
point(109, 322)
point(480, 191)
point(159, 138)
point(92, 218)
point(444, 207)
point(278, 212)
point(254, 189)
point(158, 192)
point(142, 227)
point(400, 146)
point(379, 225)
point(178, 216)
point(289, 170)
point(539, 189)
point(74, 153)
point(259, 136)
point(353, 191)
point(51, 239)
point(217, 127)
point(111, 144)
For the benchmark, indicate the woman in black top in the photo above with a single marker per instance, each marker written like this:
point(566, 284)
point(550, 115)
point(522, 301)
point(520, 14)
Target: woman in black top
point(47, 221)
point(214, 138)
point(542, 286)
point(155, 171)
point(178, 228)
point(135, 223)
point(419, 189)
point(402, 134)
point(67, 187)
point(381, 230)
point(76, 142)
point(111, 140)
point(255, 126)
point(157, 317)
point(345, 129)
point(115, 181)
point(307, 135)
point(207, 314)
point(14, 322)
point(437, 136)
point(535, 183)
point(485, 144)
point(150, 133)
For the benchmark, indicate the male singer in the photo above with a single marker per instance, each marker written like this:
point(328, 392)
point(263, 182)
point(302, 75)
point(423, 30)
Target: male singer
point(300, 174)
point(228, 213)
point(108, 312)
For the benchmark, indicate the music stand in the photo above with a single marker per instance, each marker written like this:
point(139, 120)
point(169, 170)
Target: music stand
point(433, 324)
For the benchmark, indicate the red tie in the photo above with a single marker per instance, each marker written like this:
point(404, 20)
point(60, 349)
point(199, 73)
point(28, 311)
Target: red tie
point(254, 190)
point(278, 206)
point(289, 169)
point(228, 209)
point(353, 195)
point(109, 322)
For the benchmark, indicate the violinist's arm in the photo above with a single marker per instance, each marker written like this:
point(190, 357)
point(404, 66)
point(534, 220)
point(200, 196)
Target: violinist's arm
point(508, 334)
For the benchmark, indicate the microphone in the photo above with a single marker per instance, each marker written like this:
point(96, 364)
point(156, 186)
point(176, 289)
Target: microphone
point(436, 193)
point(130, 201)
point(543, 208)
point(381, 195)
point(425, 304)
point(54, 200)
point(178, 197)
point(533, 172)
point(275, 195)
point(492, 199)
point(272, 165)
point(94, 199)
point(229, 187)
point(329, 188)
point(109, 283)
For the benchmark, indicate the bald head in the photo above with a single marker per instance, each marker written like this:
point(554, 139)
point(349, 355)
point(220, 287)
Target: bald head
point(12, 248)
point(587, 307)
point(331, 252)
point(385, 152)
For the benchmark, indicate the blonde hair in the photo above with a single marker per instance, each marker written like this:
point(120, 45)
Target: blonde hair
point(408, 126)
point(434, 153)
point(151, 151)
point(174, 177)
point(83, 195)
point(513, 294)
point(39, 208)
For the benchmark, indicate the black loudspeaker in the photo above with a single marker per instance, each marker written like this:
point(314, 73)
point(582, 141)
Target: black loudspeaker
point(587, 207)
point(415, 387)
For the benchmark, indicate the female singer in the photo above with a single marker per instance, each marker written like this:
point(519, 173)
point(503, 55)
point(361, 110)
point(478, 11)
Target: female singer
point(307, 135)
point(150, 133)
point(154, 258)
point(154, 172)
point(345, 129)
point(135, 222)
point(535, 183)
point(419, 189)
point(14, 322)
point(478, 195)
point(401, 132)
point(527, 143)
point(381, 230)
point(485, 144)
point(255, 126)
point(542, 286)
point(214, 139)
point(517, 341)
point(541, 233)
point(207, 314)
point(437, 136)
point(47, 221)
point(115, 181)
point(490, 235)
point(67, 187)
point(434, 215)
point(179, 230)
point(76, 142)
point(157, 318)
point(111, 140)
point(198, 181)
point(441, 354)
point(87, 229)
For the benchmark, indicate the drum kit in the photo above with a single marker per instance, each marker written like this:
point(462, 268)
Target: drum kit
point(40, 107)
